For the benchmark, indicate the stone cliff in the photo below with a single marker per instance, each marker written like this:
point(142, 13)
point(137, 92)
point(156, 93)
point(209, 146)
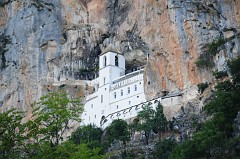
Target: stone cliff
point(44, 42)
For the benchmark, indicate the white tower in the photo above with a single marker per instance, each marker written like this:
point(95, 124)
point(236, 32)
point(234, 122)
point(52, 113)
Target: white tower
point(111, 65)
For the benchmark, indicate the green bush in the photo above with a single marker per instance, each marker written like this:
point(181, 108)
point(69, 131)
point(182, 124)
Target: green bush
point(206, 60)
point(220, 74)
point(203, 62)
point(164, 148)
point(214, 45)
point(202, 87)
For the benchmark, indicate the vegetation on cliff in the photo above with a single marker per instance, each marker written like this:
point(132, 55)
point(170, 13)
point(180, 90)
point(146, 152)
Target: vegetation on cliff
point(218, 137)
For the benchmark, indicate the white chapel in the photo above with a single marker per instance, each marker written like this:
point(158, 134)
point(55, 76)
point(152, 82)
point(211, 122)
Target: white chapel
point(116, 94)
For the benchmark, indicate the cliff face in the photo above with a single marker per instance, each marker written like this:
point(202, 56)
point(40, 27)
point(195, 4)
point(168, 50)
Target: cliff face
point(44, 42)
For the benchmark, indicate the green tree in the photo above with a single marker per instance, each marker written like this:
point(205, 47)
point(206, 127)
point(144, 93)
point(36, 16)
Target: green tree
point(146, 121)
point(69, 150)
point(89, 134)
point(160, 120)
point(118, 130)
point(164, 148)
point(52, 116)
point(11, 134)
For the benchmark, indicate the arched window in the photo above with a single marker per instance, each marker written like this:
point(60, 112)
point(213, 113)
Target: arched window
point(104, 61)
point(116, 60)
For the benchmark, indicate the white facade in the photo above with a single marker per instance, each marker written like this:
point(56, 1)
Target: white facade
point(116, 95)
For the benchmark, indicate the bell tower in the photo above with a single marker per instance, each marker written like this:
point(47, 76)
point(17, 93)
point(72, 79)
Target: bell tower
point(111, 65)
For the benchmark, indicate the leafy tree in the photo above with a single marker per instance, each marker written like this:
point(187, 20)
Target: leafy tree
point(118, 130)
point(160, 120)
point(11, 134)
point(132, 127)
point(146, 121)
point(164, 148)
point(52, 116)
point(89, 134)
point(69, 150)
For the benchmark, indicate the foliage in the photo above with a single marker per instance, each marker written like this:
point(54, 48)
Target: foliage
point(4, 42)
point(69, 150)
point(160, 120)
point(163, 148)
point(11, 133)
point(214, 45)
point(203, 62)
point(40, 137)
point(206, 60)
point(235, 70)
point(132, 128)
point(202, 87)
point(220, 74)
point(87, 134)
point(216, 138)
point(118, 130)
point(146, 121)
point(52, 116)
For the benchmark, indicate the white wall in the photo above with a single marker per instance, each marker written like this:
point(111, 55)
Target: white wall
point(110, 104)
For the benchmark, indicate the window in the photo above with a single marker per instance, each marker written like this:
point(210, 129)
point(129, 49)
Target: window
point(95, 116)
point(101, 98)
point(116, 60)
point(135, 87)
point(104, 61)
point(117, 106)
point(129, 102)
point(104, 80)
point(121, 92)
point(128, 90)
point(91, 105)
point(115, 95)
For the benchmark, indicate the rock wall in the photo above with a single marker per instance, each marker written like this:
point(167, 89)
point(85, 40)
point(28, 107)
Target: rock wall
point(43, 42)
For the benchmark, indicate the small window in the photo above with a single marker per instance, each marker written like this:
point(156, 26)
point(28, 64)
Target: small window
point(101, 98)
point(129, 102)
point(95, 116)
point(115, 95)
point(104, 61)
point(135, 87)
point(116, 60)
point(121, 92)
point(117, 106)
point(128, 90)
point(104, 80)
point(137, 96)
point(91, 105)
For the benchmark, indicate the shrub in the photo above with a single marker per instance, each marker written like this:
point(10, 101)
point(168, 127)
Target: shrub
point(214, 45)
point(202, 87)
point(220, 74)
point(164, 148)
point(203, 62)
